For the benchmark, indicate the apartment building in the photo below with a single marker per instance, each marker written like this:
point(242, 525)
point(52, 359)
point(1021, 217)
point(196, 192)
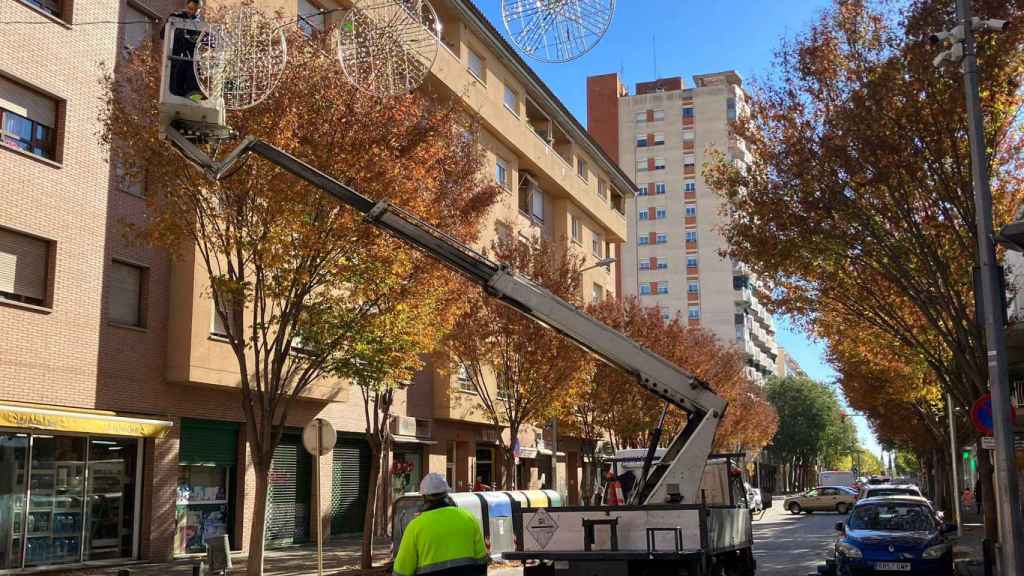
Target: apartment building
point(121, 433)
point(786, 365)
point(662, 136)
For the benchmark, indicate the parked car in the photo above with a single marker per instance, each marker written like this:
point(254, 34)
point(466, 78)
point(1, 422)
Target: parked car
point(875, 490)
point(879, 480)
point(893, 535)
point(821, 499)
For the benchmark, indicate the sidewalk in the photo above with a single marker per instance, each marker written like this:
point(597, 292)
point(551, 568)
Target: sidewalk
point(967, 552)
point(341, 556)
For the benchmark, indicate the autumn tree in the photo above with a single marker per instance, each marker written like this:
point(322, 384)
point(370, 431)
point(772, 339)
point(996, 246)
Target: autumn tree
point(522, 371)
point(610, 405)
point(858, 196)
point(303, 288)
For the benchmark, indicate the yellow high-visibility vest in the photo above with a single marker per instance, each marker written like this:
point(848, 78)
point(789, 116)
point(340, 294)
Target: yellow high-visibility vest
point(443, 541)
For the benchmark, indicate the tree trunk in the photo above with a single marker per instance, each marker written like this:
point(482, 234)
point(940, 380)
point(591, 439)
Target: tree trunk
point(254, 567)
point(384, 481)
point(988, 506)
point(509, 458)
point(366, 559)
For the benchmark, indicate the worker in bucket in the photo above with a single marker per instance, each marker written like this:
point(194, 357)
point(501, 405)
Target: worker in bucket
point(443, 540)
point(183, 75)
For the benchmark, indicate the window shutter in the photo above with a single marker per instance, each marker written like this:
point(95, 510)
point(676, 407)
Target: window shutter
point(650, 140)
point(652, 237)
point(654, 287)
point(650, 115)
point(654, 262)
point(23, 265)
point(650, 163)
point(125, 294)
point(650, 213)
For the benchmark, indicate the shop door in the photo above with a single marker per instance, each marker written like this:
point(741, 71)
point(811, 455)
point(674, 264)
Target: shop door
point(288, 501)
point(350, 486)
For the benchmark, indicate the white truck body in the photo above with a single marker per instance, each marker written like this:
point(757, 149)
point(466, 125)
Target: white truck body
point(837, 478)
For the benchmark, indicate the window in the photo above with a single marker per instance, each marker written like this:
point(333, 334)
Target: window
point(689, 135)
point(602, 189)
point(659, 115)
point(659, 188)
point(596, 245)
point(662, 238)
point(645, 288)
point(663, 287)
point(464, 382)
point(52, 7)
point(133, 35)
point(691, 235)
point(662, 265)
point(597, 293)
point(127, 294)
point(133, 184)
point(313, 21)
point(730, 109)
point(659, 138)
point(691, 262)
point(27, 119)
point(641, 164)
point(688, 112)
point(689, 160)
point(24, 268)
point(538, 204)
point(476, 66)
point(581, 169)
point(641, 140)
point(501, 173)
point(577, 229)
point(693, 287)
point(644, 215)
point(642, 189)
point(644, 240)
point(512, 101)
point(659, 163)
point(640, 117)
point(666, 316)
point(690, 186)
point(645, 265)
point(693, 313)
point(661, 213)
point(691, 211)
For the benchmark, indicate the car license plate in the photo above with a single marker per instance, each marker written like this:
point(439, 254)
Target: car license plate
point(895, 566)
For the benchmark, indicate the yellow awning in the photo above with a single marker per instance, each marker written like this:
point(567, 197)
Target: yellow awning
point(42, 417)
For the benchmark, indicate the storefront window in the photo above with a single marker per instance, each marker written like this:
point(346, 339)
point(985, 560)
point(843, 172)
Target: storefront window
point(13, 476)
point(202, 507)
point(406, 471)
point(111, 498)
point(56, 501)
point(484, 470)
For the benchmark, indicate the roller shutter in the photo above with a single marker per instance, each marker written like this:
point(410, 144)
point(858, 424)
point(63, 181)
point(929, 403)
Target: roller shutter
point(288, 506)
point(350, 486)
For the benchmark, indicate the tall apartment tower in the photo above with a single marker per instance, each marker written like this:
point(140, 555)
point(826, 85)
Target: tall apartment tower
point(662, 136)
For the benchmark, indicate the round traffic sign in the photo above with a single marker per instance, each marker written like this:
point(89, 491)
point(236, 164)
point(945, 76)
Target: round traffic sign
point(981, 415)
point(328, 437)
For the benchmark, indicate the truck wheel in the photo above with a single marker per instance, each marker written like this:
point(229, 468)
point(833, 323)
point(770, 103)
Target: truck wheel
point(794, 508)
point(841, 507)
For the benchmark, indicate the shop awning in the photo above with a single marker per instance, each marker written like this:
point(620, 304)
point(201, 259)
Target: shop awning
point(399, 439)
point(60, 419)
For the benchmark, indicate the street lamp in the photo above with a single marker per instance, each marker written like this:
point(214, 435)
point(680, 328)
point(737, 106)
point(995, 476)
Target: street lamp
point(962, 51)
point(603, 262)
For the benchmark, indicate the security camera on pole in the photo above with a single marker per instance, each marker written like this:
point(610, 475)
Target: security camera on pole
point(961, 50)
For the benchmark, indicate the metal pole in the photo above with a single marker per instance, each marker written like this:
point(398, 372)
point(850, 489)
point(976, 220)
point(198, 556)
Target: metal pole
point(1011, 533)
point(319, 520)
point(953, 459)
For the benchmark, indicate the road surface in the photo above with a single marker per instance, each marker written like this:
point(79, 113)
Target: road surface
point(787, 545)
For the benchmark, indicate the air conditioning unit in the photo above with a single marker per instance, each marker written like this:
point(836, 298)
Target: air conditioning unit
point(423, 427)
point(403, 426)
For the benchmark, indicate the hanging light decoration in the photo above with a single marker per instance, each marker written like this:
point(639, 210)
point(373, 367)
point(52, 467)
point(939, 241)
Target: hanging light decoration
point(387, 47)
point(556, 30)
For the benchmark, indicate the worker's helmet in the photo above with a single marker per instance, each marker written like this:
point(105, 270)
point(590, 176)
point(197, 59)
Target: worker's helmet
point(434, 485)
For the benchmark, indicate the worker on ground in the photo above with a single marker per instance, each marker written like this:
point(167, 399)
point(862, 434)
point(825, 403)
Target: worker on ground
point(443, 540)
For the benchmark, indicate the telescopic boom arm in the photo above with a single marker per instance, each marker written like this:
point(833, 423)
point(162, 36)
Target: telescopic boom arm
point(676, 478)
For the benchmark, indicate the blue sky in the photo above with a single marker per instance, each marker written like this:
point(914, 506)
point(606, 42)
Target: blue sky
point(688, 38)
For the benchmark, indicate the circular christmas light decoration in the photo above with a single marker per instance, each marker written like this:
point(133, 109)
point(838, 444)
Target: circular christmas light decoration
point(556, 30)
point(387, 47)
point(241, 58)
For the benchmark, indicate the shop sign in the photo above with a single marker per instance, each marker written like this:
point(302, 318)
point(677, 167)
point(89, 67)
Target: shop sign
point(989, 443)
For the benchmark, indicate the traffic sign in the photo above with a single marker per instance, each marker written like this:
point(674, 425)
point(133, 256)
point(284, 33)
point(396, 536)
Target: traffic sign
point(542, 527)
point(989, 443)
point(328, 437)
point(981, 414)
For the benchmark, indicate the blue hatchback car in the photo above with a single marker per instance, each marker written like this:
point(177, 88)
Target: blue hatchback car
point(894, 535)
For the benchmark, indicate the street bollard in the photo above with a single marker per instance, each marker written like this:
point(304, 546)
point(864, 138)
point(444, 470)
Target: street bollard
point(988, 555)
point(197, 569)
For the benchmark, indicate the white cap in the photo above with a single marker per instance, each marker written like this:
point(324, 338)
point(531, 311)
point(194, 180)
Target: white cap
point(434, 485)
